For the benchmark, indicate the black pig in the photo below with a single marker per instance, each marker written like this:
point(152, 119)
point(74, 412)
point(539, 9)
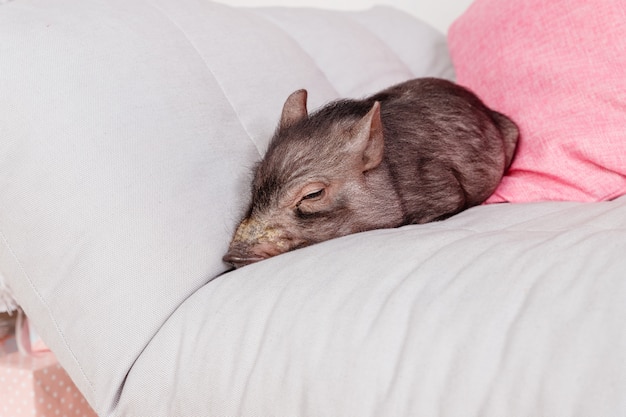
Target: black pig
point(416, 152)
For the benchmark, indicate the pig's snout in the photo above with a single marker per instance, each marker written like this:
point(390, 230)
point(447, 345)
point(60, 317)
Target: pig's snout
point(239, 257)
point(253, 242)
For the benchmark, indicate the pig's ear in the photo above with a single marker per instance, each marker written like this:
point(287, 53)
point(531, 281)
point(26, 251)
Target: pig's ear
point(368, 141)
point(294, 109)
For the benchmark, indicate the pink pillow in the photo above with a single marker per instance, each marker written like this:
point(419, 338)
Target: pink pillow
point(558, 68)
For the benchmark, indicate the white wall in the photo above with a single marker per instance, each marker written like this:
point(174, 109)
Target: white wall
point(439, 13)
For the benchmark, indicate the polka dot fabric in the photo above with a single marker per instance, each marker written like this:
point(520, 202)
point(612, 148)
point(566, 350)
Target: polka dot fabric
point(37, 386)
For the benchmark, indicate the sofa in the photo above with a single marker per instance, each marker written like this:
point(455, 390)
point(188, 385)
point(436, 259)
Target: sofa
point(128, 132)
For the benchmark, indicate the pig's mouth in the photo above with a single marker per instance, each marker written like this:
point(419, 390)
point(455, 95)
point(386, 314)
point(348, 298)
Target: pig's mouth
point(240, 255)
point(238, 261)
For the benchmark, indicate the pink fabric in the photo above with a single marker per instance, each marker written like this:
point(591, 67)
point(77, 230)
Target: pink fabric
point(37, 386)
point(558, 68)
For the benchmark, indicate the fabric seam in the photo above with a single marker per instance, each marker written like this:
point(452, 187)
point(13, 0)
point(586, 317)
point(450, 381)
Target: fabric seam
point(47, 307)
point(208, 67)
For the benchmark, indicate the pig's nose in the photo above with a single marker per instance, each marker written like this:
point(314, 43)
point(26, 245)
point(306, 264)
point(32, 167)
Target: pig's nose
point(239, 255)
point(238, 259)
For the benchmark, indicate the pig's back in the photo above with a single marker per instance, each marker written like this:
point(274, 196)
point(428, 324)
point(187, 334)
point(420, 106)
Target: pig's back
point(444, 148)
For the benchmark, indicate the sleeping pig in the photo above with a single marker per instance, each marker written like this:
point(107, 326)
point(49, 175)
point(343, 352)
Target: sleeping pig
point(417, 152)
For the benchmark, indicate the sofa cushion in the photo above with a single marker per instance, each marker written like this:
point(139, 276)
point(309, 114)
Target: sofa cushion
point(128, 131)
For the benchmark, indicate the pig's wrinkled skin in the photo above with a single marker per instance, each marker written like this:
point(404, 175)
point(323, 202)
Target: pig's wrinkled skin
point(417, 152)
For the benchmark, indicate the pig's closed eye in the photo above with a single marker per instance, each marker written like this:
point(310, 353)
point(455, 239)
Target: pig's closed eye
point(314, 195)
point(313, 198)
point(312, 204)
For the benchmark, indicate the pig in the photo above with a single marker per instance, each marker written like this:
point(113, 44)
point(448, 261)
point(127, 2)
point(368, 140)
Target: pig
point(420, 151)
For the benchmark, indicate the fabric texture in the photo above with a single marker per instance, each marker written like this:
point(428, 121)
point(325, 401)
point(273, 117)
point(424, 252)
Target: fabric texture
point(37, 386)
point(558, 69)
point(503, 310)
point(128, 133)
point(7, 300)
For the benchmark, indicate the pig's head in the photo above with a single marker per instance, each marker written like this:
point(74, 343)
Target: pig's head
point(323, 176)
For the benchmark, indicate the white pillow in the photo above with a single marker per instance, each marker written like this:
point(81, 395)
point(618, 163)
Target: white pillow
point(7, 301)
point(128, 130)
